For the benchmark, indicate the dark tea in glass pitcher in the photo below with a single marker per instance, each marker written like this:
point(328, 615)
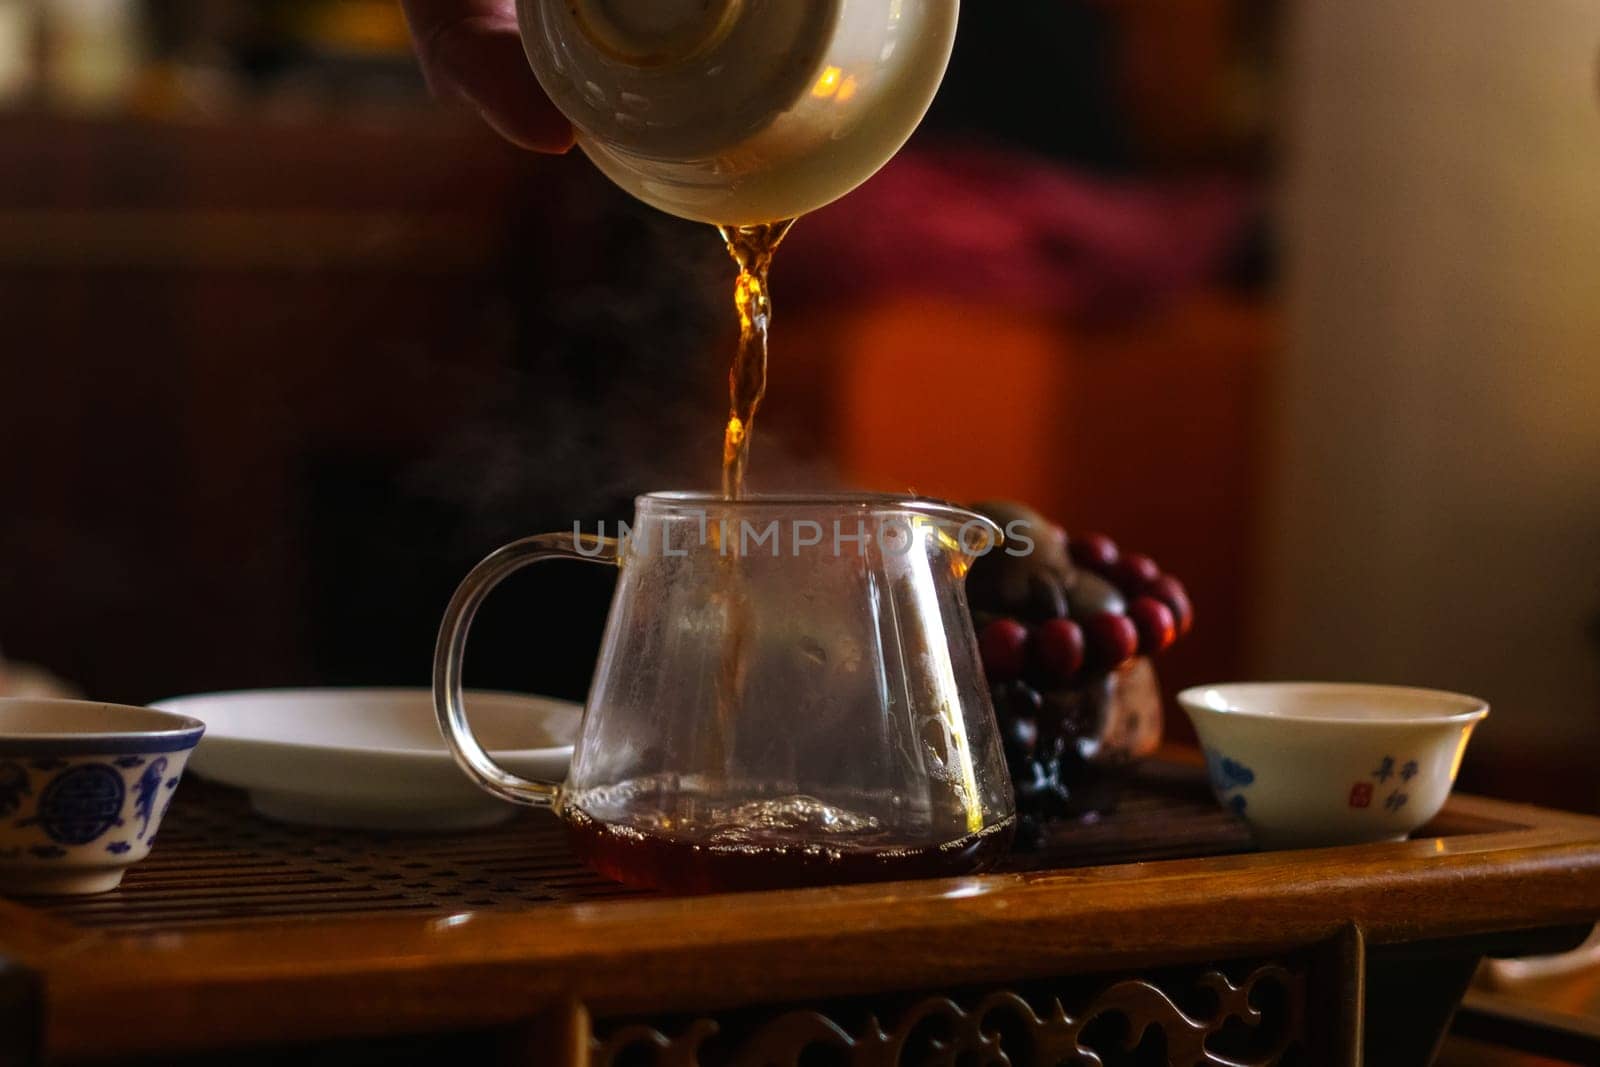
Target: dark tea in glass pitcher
point(788, 693)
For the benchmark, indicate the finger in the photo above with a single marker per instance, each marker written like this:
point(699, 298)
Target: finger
point(471, 50)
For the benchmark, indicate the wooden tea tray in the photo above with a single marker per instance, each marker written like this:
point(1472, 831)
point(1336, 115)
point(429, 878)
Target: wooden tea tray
point(1155, 922)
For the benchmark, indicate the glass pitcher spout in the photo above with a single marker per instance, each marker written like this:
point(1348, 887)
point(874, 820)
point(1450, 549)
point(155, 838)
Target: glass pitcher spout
point(976, 537)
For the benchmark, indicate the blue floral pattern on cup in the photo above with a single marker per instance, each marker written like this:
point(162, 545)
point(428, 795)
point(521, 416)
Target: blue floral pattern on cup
point(1229, 778)
point(146, 791)
point(80, 804)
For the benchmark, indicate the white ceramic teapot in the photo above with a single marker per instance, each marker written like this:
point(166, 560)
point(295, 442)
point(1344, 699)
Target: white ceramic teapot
point(739, 112)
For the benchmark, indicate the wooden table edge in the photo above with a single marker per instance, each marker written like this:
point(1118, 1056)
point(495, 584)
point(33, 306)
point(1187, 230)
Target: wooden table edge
point(107, 993)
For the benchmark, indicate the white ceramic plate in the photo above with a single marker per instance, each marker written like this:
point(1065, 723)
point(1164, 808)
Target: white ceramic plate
point(371, 759)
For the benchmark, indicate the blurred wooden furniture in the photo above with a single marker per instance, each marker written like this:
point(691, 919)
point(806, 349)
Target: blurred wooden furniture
point(196, 312)
point(238, 935)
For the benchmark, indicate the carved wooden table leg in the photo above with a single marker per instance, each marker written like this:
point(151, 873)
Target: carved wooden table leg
point(1334, 996)
point(558, 1037)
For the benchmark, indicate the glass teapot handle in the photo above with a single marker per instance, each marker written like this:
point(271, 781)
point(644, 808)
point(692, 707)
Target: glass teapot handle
point(448, 702)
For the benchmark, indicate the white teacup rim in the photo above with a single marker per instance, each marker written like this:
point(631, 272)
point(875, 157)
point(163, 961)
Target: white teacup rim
point(41, 725)
point(1373, 704)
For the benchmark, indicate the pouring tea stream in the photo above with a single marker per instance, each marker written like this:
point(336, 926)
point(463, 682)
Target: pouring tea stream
point(745, 114)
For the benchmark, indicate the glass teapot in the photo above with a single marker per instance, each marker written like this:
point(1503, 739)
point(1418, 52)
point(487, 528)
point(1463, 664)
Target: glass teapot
point(788, 693)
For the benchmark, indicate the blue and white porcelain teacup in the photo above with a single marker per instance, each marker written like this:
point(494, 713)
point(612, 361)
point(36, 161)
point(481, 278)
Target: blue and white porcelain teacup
point(83, 787)
point(1323, 763)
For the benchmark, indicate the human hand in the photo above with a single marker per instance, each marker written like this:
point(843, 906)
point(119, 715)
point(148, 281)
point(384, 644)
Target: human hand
point(471, 51)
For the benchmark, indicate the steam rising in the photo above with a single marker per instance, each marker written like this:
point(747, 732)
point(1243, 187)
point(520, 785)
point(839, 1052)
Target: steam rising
point(616, 384)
